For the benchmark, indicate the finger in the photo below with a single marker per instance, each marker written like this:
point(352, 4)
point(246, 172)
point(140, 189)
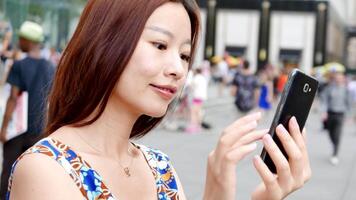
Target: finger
point(295, 133)
point(295, 155)
point(237, 154)
point(308, 171)
point(300, 139)
point(281, 163)
point(251, 137)
point(269, 179)
point(233, 133)
point(229, 138)
point(244, 120)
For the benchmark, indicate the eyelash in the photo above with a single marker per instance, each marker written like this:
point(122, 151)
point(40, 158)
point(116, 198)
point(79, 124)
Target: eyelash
point(163, 47)
point(159, 46)
point(185, 58)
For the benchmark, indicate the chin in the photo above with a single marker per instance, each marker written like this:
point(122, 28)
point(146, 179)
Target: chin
point(157, 114)
point(156, 111)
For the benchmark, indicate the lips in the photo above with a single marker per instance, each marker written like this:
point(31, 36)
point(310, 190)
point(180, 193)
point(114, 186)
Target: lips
point(165, 91)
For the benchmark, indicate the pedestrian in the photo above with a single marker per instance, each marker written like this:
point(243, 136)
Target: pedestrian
point(116, 80)
point(54, 56)
point(220, 74)
point(245, 89)
point(352, 90)
point(282, 80)
point(265, 99)
point(34, 76)
point(336, 102)
point(6, 50)
point(200, 94)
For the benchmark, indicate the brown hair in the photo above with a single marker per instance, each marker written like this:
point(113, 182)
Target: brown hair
point(93, 61)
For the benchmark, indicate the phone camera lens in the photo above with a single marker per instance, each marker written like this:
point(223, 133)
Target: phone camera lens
point(306, 88)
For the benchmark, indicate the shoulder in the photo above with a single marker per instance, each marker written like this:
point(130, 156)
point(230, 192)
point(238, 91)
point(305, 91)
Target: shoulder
point(16, 66)
point(37, 176)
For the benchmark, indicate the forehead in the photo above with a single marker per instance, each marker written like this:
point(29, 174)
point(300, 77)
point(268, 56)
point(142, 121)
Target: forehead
point(173, 17)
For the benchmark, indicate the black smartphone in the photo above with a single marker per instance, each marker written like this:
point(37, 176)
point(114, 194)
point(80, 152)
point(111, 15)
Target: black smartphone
point(296, 100)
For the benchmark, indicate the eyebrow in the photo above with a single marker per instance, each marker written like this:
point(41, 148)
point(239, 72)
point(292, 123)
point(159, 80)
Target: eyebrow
point(166, 32)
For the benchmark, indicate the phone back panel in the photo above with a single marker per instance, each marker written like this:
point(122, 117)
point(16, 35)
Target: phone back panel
point(296, 100)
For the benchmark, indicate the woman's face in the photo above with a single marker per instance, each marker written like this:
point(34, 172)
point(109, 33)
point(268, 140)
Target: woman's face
point(159, 65)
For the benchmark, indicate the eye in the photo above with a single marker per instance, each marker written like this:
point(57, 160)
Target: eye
point(186, 58)
point(160, 46)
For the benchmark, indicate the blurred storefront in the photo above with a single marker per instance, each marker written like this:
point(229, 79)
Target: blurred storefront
point(298, 33)
point(58, 17)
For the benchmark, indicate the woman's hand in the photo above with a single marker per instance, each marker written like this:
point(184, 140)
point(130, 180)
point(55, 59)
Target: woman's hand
point(292, 173)
point(236, 142)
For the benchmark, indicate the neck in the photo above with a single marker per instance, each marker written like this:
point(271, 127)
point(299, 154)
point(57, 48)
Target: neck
point(111, 132)
point(35, 53)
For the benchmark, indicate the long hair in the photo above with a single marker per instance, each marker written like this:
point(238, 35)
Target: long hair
point(96, 56)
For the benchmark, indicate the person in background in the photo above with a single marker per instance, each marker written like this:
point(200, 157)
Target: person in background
point(221, 74)
point(6, 50)
point(115, 83)
point(34, 75)
point(245, 89)
point(266, 92)
point(352, 90)
point(282, 80)
point(199, 94)
point(16, 55)
point(336, 102)
point(54, 56)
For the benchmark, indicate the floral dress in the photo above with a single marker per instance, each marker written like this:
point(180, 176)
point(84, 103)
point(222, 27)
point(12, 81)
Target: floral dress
point(90, 183)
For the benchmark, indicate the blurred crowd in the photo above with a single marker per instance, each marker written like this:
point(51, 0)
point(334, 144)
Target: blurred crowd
point(256, 89)
point(10, 51)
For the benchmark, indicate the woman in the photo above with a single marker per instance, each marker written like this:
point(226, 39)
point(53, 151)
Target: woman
point(116, 80)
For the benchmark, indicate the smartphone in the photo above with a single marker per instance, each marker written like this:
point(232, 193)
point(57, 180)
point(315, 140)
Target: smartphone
point(296, 100)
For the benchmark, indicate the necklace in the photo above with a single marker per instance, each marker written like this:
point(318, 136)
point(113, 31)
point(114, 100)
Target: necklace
point(126, 169)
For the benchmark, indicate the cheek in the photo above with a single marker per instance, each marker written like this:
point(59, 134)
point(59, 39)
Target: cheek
point(144, 61)
point(149, 69)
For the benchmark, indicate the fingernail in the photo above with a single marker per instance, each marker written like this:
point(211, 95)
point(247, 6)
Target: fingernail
point(294, 120)
point(267, 138)
point(258, 114)
point(254, 145)
point(280, 127)
point(254, 123)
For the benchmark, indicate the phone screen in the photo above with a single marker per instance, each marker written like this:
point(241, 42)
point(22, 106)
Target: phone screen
point(296, 100)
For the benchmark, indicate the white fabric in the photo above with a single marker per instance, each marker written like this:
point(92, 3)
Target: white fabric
point(223, 69)
point(200, 87)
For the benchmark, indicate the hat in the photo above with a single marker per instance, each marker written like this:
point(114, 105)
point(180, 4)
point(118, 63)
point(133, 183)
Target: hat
point(31, 31)
point(335, 67)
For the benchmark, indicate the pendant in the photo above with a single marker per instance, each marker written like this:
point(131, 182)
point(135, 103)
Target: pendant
point(127, 171)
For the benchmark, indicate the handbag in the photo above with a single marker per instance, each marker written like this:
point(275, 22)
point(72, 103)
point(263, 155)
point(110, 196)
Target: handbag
point(19, 119)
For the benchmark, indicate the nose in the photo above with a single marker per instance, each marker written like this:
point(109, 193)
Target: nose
point(175, 67)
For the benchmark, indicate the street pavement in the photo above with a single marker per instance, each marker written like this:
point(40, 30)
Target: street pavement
point(188, 153)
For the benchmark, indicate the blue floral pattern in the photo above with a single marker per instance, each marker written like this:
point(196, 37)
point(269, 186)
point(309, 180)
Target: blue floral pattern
point(90, 183)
